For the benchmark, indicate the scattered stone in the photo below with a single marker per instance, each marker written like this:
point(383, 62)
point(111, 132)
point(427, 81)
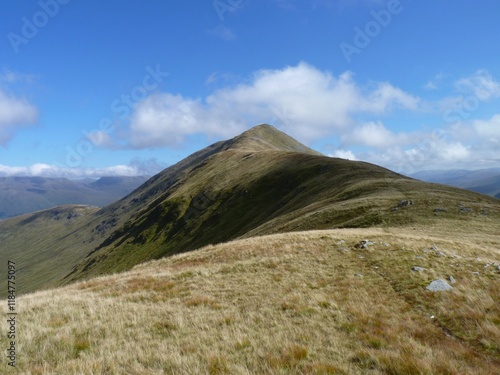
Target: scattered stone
point(434, 248)
point(475, 273)
point(360, 245)
point(465, 210)
point(432, 317)
point(417, 269)
point(341, 242)
point(437, 211)
point(451, 279)
point(440, 253)
point(405, 203)
point(385, 244)
point(358, 274)
point(394, 209)
point(363, 244)
point(439, 285)
point(484, 212)
point(343, 249)
point(419, 257)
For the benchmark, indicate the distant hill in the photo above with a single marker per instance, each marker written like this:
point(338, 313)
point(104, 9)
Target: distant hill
point(260, 182)
point(484, 181)
point(20, 195)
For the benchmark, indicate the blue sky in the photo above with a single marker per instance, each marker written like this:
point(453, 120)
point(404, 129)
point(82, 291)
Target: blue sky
point(92, 88)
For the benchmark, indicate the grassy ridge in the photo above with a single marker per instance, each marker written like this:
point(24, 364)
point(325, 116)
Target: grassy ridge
point(235, 193)
point(297, 303)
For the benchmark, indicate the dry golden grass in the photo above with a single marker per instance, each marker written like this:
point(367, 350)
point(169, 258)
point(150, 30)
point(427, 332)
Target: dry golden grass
point(299, 303)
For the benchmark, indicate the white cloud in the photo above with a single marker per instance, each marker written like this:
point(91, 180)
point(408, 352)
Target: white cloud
point(10, 77)
point(430, 85)
point(374, 135)
point(489, 129)
point(137, 167)
point(453, 152)
point(343, 154)
point(481, 84)
point(436, 150)
point(15, 113)
point(317, 104)
point(435, 82)
point(100, 138)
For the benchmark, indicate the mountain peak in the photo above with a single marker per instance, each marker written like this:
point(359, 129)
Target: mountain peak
point(265, 137)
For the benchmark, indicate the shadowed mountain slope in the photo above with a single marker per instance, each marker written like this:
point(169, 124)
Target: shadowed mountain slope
point(260, 182)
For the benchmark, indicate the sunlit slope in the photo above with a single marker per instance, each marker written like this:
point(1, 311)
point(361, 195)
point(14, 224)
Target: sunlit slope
point(297, 303)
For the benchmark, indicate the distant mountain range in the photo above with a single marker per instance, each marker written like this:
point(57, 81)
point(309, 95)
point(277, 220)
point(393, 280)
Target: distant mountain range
point(20, 195)
point(484, 181)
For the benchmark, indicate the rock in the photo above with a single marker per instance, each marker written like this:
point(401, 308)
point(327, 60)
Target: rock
point(439, 285)
point(405, 203)
point(385, 244)
point(363, 244)
point(438, 210)
point(451, 279)
point(341, 242)
point(465, 210)
point(358, 274)
point(475, 273)
point(417, 269)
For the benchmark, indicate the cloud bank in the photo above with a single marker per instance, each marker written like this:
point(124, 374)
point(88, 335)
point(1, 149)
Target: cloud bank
point(15, 113)
point(319, 103)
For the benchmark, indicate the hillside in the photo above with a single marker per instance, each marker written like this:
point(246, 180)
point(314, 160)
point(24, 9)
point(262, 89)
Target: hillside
point(297, 303)
point(258, 183)
point(21, 195)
